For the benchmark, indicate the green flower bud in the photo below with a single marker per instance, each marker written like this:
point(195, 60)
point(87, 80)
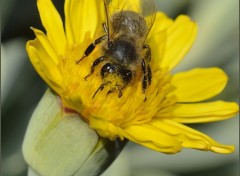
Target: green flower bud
point(60, 143)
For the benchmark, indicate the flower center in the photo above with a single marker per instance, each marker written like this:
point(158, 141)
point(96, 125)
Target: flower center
point(128, 109)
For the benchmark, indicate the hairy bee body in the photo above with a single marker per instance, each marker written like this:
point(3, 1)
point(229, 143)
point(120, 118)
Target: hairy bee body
point(122, 47)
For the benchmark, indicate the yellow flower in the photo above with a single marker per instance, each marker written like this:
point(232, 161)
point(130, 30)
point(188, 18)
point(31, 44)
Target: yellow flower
point(172, 99)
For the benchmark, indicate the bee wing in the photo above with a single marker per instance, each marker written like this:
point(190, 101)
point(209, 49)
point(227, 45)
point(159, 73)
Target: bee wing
point(114, 6)
point(145, 8)
point(148, 11)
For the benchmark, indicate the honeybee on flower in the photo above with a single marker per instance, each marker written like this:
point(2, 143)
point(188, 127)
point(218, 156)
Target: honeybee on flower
point(123, 45)
point(90, 60)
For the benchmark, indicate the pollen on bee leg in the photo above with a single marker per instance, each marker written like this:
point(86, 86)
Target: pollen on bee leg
point(101, 87)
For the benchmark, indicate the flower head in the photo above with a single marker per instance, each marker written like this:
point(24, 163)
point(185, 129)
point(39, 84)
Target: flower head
point(172, 99)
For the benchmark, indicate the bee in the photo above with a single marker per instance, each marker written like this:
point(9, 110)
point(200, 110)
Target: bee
point(126, 56)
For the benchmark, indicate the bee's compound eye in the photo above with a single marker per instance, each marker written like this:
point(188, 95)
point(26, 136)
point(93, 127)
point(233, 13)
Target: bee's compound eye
point(111, 46)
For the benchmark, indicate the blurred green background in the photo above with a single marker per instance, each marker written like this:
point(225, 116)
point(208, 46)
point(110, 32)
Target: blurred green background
point(217, 44)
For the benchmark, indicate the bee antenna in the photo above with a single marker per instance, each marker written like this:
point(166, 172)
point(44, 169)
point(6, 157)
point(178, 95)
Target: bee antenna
point(105, 6)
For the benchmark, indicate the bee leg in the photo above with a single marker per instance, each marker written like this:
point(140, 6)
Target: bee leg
point(144, 80)
point(148, 52)
point(95, 63)
point(91, 47)
point(147, 73)
point(110, 91)
point(119, 93)
point(147, 57)
point(101, 87)
point(118, 89)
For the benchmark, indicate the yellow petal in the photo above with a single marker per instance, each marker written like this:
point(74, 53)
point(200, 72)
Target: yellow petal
point(152, 137)
point(104, 128)
point(52, 22)
point(158, 44)
point(198, 84)
point(162, 22)
point(34, 58)
point(191, 138)
point(181, 36)
point(42, 38)
point(82, 16)
point(204, 112)
point(44, 65)
point(157, 38)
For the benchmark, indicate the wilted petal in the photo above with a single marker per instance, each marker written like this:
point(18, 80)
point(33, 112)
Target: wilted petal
point(191, 138)
point(153, 137)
